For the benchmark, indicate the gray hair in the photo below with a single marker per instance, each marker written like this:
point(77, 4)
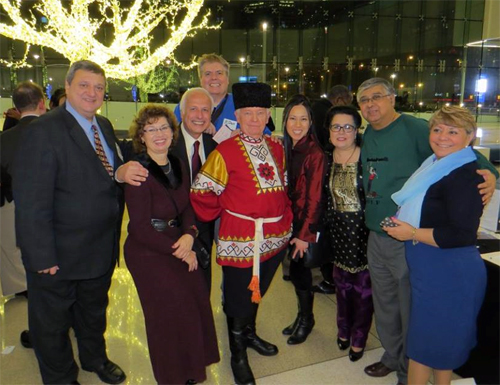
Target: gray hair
point(389, 88)
point(182, 104)
point(85, 65)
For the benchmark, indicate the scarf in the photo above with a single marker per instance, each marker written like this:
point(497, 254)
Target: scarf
point(411, 196)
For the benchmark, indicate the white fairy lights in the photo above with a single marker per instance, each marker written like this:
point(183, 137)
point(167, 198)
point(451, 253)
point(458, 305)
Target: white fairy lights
point(72, 31)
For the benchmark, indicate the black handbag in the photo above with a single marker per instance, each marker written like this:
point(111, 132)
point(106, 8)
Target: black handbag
point(199, 247)
point(314, 256)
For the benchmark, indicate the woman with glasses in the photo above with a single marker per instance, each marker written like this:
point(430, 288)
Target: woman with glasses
point(349, 235)
point(158, 251)
point(306, 166)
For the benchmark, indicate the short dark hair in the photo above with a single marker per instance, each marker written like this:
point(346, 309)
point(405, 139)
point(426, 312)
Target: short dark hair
point(85, 65)
point(26, 96)
point(340, 95)
point(56, 96)
point(150, 114)
point(344, 110)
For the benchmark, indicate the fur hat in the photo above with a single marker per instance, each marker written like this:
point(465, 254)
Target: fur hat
point(251, 95)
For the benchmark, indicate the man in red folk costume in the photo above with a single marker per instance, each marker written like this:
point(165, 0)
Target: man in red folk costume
point(243, 183)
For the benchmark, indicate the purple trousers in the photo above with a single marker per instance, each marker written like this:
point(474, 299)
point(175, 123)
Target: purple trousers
point(354, 305)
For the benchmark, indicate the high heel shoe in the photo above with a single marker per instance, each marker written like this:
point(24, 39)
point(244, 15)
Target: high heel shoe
point(343, 345)
point(355, 356)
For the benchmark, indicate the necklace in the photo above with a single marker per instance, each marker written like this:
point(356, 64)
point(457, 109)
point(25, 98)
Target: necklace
point(337, 160)
point(167, 168)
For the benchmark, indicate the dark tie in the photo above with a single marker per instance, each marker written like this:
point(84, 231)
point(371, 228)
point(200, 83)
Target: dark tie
point(195, 160)
point(100, 152)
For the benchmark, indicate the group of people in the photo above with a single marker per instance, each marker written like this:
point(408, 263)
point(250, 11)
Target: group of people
point(390, 205)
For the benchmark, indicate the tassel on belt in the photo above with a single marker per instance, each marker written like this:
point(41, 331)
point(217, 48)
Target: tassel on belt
point(259, 237)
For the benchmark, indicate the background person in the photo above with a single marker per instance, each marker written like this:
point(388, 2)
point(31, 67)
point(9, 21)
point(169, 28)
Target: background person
point(213, 72)
point(29, 99)
point(306, 167)
point(440, 210)
point(173, 293)
point(57, 98)
point(349, 235)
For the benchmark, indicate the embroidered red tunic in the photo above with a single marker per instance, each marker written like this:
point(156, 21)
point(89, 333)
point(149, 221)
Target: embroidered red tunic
point(245, 176)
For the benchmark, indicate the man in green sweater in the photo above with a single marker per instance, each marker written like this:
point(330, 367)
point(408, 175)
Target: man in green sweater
point(394, 146)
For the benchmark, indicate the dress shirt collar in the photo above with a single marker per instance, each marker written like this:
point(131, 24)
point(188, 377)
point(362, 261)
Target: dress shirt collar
point(84, 123)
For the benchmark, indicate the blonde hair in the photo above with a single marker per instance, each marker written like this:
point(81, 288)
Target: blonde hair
point(457, 117)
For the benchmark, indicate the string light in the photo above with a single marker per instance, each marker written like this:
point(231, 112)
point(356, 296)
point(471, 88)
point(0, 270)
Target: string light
point(72, 31)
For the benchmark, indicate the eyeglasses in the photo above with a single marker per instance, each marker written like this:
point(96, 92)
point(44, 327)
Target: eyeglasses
point(155, 130)
point(375, 99)
point(348, 128)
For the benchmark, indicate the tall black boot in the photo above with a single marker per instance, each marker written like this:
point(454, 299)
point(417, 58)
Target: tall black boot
point(261, 346)
point(305, 317)
point(242, 372)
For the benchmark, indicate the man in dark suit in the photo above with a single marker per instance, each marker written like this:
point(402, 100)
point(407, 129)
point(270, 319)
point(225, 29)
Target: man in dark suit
point(68, 207)
point(196, 107)
point(29, 100)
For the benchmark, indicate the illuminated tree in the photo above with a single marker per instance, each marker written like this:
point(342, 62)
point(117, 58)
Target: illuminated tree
point(72, 28)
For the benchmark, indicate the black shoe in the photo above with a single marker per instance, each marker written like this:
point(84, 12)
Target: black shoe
point(343, 345)
point(261, 346)
point(324, 287)
point(286, 277)
point(25, 339)
point(109, 372)
point(355, 356)
point(75, 382)
point(22, 294)
point(290, 328)
point(191, 382)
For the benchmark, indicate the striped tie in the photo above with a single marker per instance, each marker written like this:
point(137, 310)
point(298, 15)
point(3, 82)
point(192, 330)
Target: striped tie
point(100, 152)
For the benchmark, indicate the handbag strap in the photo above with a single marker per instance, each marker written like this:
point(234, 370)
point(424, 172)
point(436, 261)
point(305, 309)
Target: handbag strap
point(218, 110)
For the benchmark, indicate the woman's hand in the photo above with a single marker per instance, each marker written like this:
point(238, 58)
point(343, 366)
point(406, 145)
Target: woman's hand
point(402, 232)
point(300, 247)
point(191, 261)
point(183, 246)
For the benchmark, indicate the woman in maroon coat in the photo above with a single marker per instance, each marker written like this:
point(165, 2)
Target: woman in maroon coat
point(306, 167)
point(158, 252)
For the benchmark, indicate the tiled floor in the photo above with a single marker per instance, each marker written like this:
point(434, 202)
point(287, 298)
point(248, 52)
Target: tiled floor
point(317, 361)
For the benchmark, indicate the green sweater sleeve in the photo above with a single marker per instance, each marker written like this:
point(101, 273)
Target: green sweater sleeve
point(484, 163)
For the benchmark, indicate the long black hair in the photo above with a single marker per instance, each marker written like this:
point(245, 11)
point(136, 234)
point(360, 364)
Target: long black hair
point(296, 100)
point(343, 110)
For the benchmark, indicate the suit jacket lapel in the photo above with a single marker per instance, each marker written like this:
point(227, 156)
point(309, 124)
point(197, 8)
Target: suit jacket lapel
point(180, 149)
point(82, 141)
point(208, 144)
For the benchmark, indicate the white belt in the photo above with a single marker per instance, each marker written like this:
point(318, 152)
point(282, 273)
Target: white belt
point(259, 237)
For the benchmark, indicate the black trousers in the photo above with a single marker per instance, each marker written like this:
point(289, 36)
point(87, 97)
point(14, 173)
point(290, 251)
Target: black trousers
point(54, 307)
point(206, 234)
point(237, 297)
point(300, 275)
